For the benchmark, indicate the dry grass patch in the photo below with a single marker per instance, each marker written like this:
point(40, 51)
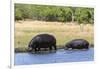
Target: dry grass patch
point(64, 32)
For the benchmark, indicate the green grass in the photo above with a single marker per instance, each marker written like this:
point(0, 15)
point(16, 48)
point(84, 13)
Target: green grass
point(63, 32)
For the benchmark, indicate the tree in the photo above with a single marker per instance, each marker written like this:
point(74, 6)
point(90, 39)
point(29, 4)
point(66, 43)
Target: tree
point(18, 14)
point(73, 9)
point(83, 16)
point(54, 13)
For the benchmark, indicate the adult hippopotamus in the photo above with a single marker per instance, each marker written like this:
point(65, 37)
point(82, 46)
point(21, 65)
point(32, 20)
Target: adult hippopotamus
point(42, 41)
point(77, 44)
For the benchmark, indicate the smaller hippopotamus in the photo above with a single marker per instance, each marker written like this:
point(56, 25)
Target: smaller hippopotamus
point(77, 44)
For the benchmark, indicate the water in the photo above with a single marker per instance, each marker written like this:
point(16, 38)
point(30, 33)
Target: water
point(59, 56)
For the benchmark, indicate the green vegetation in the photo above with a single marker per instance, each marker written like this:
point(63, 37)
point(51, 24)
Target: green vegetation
point(65, 23)
point(54, 13)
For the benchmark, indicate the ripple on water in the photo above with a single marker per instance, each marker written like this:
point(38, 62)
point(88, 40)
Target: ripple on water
point(59, 56)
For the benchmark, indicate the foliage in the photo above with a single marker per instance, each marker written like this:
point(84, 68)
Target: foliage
point(54, 13)
point(84, 15)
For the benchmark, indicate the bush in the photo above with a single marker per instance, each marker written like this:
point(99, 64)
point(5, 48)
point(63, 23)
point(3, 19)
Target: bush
point(54, 13)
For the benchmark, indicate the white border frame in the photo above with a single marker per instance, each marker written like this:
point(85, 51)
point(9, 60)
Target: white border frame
point(74, 3)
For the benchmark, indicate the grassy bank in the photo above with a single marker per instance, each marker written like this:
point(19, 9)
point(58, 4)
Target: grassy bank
point(64, 32)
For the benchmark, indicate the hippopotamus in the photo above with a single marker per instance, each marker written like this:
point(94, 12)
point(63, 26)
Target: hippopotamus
point(77, 44)
point(42, 41)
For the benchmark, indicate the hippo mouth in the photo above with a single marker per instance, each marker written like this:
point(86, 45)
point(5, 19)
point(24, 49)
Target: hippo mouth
point(29, 49)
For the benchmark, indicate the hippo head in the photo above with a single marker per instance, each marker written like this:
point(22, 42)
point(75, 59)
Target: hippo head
point(67, 46)
point(29, 48)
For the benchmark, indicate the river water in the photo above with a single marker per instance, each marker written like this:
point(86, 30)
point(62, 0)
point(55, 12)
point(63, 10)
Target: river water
point(59, 56)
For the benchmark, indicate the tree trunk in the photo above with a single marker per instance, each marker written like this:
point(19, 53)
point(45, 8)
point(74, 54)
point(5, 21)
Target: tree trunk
point(72, 17)
point(81, 27)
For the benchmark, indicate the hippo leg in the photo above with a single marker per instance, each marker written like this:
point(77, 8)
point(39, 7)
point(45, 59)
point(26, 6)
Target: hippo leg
point(50, 48)
point(86, 47)
point(55, 47)
point(36, 49)
point(39, 49)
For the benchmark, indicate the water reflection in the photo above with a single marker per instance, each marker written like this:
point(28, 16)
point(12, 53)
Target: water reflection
point(43, 52)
